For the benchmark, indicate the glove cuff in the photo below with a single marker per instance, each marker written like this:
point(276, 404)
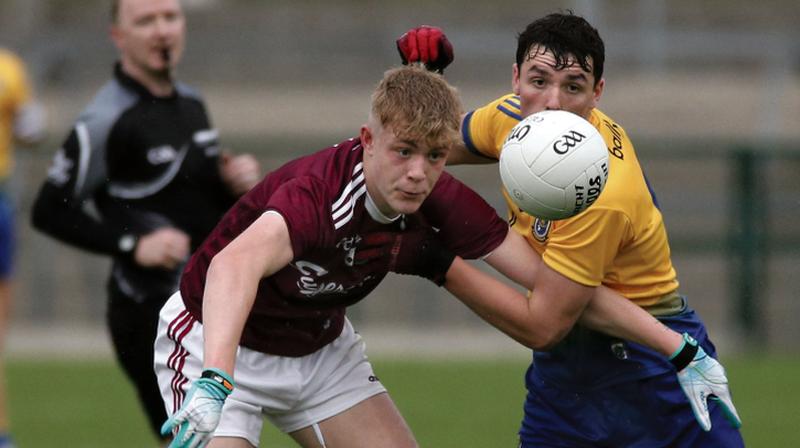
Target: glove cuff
point(685, 353)
point(219, 377)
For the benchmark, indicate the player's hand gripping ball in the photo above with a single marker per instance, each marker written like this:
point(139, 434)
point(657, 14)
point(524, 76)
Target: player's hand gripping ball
point(554, 164)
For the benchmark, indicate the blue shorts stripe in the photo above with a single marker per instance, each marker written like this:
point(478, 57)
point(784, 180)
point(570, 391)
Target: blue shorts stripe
point(7, 237)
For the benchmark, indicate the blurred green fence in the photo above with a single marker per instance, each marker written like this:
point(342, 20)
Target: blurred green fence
point(760, 233)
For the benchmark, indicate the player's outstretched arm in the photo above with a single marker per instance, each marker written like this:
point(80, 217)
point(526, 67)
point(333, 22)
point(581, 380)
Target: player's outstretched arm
point(231, 285)
point(541, 320)
point(232, 282)
point(700, 376)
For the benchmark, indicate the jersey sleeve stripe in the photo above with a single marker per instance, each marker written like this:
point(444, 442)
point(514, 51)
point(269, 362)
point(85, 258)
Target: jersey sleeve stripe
point(514, 102)
point(465, 135)
point(515, 115)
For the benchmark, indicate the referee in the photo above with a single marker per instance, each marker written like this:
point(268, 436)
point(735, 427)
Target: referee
point(141, 178)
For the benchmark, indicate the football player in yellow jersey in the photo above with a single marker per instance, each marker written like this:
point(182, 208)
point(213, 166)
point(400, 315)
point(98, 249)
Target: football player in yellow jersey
point(21, 121)
point(590, 389)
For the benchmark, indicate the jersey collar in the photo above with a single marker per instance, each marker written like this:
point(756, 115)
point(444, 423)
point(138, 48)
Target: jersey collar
point(127, 81)
point(376, 214)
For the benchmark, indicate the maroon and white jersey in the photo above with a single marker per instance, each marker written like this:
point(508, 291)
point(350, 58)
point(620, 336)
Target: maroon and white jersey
point(324, 200)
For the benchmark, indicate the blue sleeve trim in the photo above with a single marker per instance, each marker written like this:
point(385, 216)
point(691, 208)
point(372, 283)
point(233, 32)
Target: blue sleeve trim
point(465, 135)
point(510, 113)
point(513, 101)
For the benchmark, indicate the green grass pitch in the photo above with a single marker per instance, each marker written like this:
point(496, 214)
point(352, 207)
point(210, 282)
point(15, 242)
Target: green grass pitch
point(460, 404)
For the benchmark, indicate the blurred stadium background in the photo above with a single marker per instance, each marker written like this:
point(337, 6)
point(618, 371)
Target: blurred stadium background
point(709, 92)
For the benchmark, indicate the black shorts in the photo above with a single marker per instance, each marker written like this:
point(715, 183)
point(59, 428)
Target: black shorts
point(133, 329)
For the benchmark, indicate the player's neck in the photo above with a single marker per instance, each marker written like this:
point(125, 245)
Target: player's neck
point(376, 213)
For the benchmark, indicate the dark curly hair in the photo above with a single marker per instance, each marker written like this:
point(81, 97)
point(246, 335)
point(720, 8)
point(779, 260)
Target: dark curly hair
point(565, 35)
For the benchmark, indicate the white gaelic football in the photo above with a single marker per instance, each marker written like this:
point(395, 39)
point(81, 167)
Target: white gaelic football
point(554, 164)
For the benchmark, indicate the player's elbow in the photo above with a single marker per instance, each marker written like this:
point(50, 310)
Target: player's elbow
point(220, 265)
point(546, 338)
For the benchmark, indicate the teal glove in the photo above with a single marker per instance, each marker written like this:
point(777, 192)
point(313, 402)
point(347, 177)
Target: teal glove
point(199, 416)
point(702, 377)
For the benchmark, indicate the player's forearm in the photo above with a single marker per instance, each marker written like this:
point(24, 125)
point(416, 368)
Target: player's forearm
point(610, 313)
point(227, 300)
point(504, 307)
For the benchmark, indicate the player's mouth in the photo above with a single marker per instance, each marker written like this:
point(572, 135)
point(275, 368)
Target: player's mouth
point(411, 195)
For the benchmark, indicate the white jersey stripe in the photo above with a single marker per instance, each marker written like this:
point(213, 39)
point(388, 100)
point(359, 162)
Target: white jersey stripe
point(85, 145)
point(348, 188)
point(342, 208)
point(347, 206)
point(346, 219)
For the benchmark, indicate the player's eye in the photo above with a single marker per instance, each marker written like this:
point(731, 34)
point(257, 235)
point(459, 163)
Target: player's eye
point(435, 156)
point(404, 152)
point(537, 82)
point(574, 88)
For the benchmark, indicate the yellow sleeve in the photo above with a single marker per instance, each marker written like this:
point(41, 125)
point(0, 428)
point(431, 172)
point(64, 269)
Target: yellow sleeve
point(583, 248)
point(12, 74)
point(485, 129)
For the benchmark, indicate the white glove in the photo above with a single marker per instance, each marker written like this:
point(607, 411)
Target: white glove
point(199, 416)
point(702, 379)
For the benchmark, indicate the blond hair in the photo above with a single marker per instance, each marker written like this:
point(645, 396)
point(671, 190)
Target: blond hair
point(419, 106)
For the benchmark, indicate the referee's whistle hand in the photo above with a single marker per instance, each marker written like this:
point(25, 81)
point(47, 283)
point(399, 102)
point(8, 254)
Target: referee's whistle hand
point(165, 247)
point(240, 173)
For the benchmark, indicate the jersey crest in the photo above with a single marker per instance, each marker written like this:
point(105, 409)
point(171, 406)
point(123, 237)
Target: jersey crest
point(313, 281)
point(541, 228)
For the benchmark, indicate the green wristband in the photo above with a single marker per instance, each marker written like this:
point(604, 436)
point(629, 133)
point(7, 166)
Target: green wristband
point(220, 377)
point(685, 353)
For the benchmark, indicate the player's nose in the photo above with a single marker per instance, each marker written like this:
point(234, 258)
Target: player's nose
point(552, 100)
point(416, 167)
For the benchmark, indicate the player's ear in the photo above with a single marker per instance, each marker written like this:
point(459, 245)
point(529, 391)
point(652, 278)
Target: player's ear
point(598, 91)
point(515, 78)
point(366, 138)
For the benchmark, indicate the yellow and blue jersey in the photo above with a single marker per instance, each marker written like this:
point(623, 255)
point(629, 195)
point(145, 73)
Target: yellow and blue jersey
point(620, 241)
point(14, 93)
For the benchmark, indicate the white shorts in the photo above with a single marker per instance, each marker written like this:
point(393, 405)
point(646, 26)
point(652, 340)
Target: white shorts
point(292, 393)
